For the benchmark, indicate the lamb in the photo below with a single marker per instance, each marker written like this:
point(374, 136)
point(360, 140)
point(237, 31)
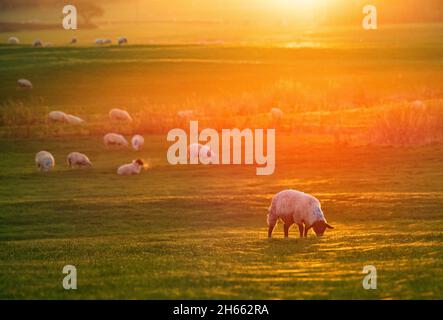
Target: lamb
point(137, 142)
point(57, 116)
point(24, 84)
point(37, 43)
point(74, 119)
point(119, 115)
point(122, 40)
point(13, 40)
point(115, 139)
point(196, 149)
point(44, 161)
point(130, 168)
point(276, 114)
point(77, 159)
point(297, 207)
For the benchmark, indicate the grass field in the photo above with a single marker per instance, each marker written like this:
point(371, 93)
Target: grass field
point(200, 231)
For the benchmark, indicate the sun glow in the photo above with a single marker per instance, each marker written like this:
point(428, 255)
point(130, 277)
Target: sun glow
point(301, 5)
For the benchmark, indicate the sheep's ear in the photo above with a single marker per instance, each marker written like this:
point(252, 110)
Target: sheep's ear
point(329, 226)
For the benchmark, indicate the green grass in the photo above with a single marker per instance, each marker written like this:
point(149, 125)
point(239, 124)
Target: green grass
point(200, 232)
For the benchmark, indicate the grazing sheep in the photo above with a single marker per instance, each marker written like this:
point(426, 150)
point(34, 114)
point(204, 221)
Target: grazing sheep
point(24, 84)
point(99, 41)
point(297, 207)
point(73, 40)
point(119, 115)
point(185, 114)
point(44, 161)
point(37, 43)
point(74, 119)
point(77, 159)
point(276, 114)
point(122, 40)
point(196, 149)
point(13, 40)
point(107, 41)
point(57, 116)
point(137, 142)
point(131, 168)
point(115, 139)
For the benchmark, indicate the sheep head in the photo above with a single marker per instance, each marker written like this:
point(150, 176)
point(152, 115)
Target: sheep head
point(320, 227)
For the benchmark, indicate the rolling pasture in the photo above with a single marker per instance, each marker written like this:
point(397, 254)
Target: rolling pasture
point(199, 232)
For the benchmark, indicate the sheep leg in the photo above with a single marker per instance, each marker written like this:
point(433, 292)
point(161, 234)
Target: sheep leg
point(270, 229)
point(286, 228)
point(301, 229)
point(306, 232)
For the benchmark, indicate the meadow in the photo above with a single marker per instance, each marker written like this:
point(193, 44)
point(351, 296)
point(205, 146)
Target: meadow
point(199, 232)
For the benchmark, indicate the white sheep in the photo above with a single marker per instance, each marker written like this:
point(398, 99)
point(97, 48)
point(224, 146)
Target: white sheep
point(199, 151)
point(74, 119)
point(137, 142)
point(276, 114)
point(131, 168)
point(13, 40)
point(77, 159)
point(119, 115)
point(122, 40)
point(185, 114)
point(297, 207)
point(99, 41)
point(44, 161)
point(37, 43)
point(107, 41)
point(115, 139)
point(57, 116)
point(24, 84)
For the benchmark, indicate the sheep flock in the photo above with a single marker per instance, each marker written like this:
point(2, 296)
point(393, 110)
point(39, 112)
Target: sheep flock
point(289, 206)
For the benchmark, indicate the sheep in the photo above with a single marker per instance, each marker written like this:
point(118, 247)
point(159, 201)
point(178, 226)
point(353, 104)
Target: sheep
point(137, 142)
point(13, 40)
point(130, 168)
point(77, 159)
point(44, 161)
point(185, 114)
point(99, 41)
point(37, 43)
point(297, 207)
point(107, 41)
point(73, 40)
point(74, 119)
point(57, 116)
point(114, 139)
point(122, 40)
point(24, 84)
point(195, 150)
point(119, 115)
point(276, 114)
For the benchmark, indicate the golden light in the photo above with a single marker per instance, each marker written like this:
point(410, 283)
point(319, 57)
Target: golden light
point(301, 5)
